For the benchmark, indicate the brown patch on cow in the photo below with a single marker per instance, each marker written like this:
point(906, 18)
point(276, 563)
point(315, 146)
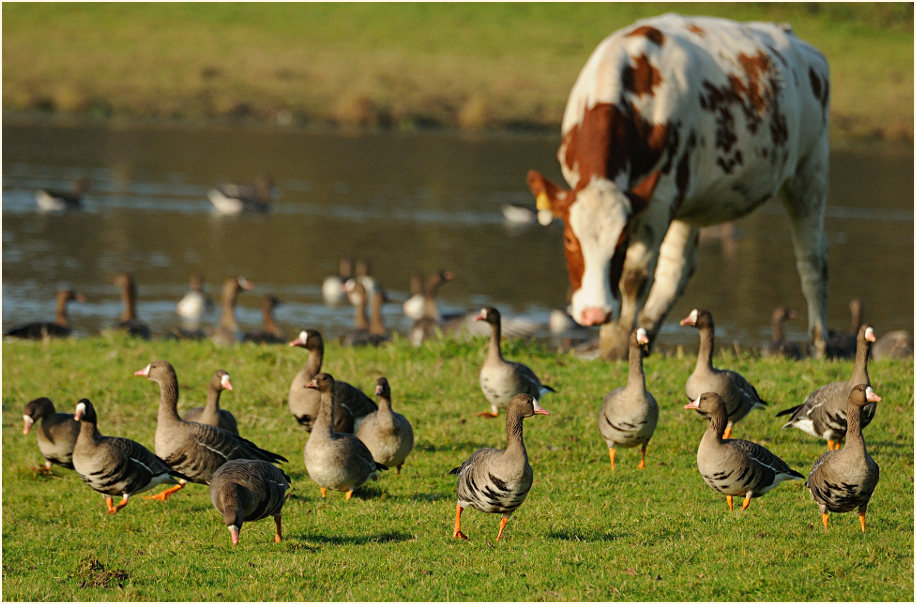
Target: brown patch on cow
point(696, 29)
point(754, 92)
point(560, 201)
point(650, 33)
point(641, 77)
point(575, 260)
point(640, 194)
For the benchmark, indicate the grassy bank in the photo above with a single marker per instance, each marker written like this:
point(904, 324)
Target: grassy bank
point(584, 533)
point(400, 65)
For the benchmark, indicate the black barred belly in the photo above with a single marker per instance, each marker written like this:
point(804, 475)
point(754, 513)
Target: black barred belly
point(125, 477)
point(493, 495)
point(839, 496)
point(733, 482)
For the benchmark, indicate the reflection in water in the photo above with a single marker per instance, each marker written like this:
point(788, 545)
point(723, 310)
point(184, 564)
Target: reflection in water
point(406, 201)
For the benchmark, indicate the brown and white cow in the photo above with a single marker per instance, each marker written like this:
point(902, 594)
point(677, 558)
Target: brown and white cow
point(676, 123)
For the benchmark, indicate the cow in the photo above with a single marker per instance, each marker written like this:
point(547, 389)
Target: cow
point(674, 123)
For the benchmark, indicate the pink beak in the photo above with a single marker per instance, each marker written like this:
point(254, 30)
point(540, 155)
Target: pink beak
point(27, 424)
point(225, 383)
point(871, 397)
point(143, 372)
point(234, 533)
point(538, 410)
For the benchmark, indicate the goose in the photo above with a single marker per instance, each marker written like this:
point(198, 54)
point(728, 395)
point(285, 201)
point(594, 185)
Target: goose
point(842, 344)
point(500, 379)
point(430, 322)
point(196, 301)
point(733, 466)
point(778, 345)
point(56, 433)
point(842, 481)
point(413, 306)
point(897, 344)
point(629, 414)
point(234, 198)
point(211, 414)
point(823, 414)
point(195, 450)
point(270, 332)
point(378, 333)
point(128, 320)
point(54, 200)
point(229, 333)
point(360, 334)
point(113, 465)
point(363, 275)
point(387, 434)
point(739, 395)
point(248, 490)
point(332, 287)
point(60, 328)
point(351, 405)
point(335, 460)
point(498, 480)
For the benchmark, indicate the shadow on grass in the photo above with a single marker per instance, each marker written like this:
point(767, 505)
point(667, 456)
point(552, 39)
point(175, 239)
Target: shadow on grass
point(350, 540)
point(583, 536)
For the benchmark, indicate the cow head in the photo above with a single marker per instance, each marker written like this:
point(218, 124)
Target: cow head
point(595, 219)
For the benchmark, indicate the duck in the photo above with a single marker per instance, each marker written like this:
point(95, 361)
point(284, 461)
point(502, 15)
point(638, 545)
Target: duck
point(779, 345)
point(56, 433)
point(500, 379)
point(496, 481)
point(387, 434)
point(413, 306)
point(733, 466)
point(351, 404)
point(196, 450)
point(842, 344)
point(823, 414)
point(360, 334)
point(54, 200)
point(228, 333)
point(897, 344)
point(270, 332)
point(842, 481)
point(113, 465)
point(332, 287)
point(196, 301)
point(211, 414)
point(739, 395)
point(245, 490)
point(335, 460)
point(629, 414)
point(235, 198)
point(60, 328)
point(128, 320)
point(430, 322)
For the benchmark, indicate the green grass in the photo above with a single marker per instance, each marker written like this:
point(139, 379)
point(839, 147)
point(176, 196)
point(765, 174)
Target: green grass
point(487, 65)
point(584, 533)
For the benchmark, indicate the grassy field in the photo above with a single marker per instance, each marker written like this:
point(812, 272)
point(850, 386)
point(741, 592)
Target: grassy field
point(584, 533)
point(476, 65)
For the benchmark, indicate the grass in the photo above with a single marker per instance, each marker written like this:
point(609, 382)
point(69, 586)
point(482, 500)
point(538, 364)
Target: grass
point(406, 65)
point(584, 533)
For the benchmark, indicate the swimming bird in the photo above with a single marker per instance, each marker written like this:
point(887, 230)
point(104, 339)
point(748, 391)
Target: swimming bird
point(59, 328)
point(55, 200)
point(229, 333)
point(842, 344)
point(496, 481)
point(211, 414)
point(196, 301)
point(245, 490)
point(234, 198)
point(270, 332)
point(128, 320)
point(332, 287)
point(387, 434)
point(778, 344)
point(56, 432)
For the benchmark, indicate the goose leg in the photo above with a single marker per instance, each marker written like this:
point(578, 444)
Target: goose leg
point(279, 536)
point(824, 518)
point(399, 469)
point(164, 495)
point(829, 445)
point(45, 469)
point(728, 498)
point(488, 414)
point(862, 520)
point(458, 534)
point(349, 494)
point(747, 501)
point(502, 525)
point(642, 462)
point(324, 492)
point(113, 509)
point(612, 453)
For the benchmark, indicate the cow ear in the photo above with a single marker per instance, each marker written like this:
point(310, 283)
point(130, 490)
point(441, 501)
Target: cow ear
point(549, 196)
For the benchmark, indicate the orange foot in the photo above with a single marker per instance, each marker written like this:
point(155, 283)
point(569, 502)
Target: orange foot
point(164, 495)
point(488, 414)
point(459, 535)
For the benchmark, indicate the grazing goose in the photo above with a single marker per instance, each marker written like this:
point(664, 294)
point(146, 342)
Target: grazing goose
point(211, 414)
point(841, 481)
point(387, 434)
point(779, 345)
point(270, 332)
point(896, 344)
point(233, 198)
point(113, 465)
point(195, 302)
point(54, 200)
point(195, 450)
point(128, 320)
point(500, 379)
point(332, 287)
point(823, 414)
point(740, 397)
point(335, 460)
point(497, 481)
point(733, 466)
point(430, 322)
point(248, 490)
point(360, 335)
point(351, 405)
point(413, 306)
point(228, 333)
point(629, 414)
point(56, 434)
point(60, 328)
point(842, 344)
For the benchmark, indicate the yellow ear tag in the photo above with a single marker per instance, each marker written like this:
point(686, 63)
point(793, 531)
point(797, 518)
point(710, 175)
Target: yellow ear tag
point(543, 203)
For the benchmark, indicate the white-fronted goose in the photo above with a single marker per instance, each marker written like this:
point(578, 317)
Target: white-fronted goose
point(378, 333)
point(740, 397)
point(500, 379)
point(359, 335)
point(629, 414)
point(128, 320)
point(60, 328)
point(270, 332)
point(245, 490)
point(234, 198)
point(413, 306)
point(823, 414)
point(364, 276)
point(387, 434)
point(430, 322)
point(228, 333)
point(211, 414)
point(335, 460)
point(55, 200)
point(332, 287)
point(779, 346)
point(195, 302)
point(733, 466)
point(844, 480)
point(897, 344)
point(494, 480)
point(842, 344)
point(56, 433)
point(113, 465)
point(351, 405)
point(195, 450)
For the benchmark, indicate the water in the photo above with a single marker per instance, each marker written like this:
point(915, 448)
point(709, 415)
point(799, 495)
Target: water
point(406, 201)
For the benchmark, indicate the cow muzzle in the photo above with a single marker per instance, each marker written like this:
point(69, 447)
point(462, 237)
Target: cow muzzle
point(592, 315)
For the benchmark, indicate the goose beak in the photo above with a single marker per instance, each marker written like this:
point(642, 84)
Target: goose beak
point(225, 383)
point(234, 533)
point(871, 397)
point(690, 319)
point(869, 334)
point(538, 410)
point(693, 404)
point(80, 411)
point(27, 424)
point(313, 384)
point(143, 372)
